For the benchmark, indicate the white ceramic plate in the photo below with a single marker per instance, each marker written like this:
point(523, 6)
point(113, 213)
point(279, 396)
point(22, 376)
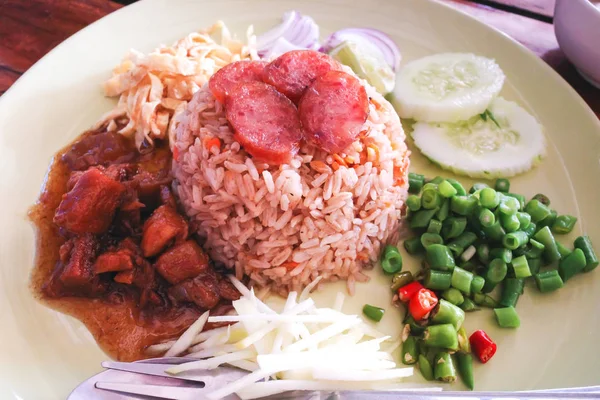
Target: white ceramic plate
point(46, 354)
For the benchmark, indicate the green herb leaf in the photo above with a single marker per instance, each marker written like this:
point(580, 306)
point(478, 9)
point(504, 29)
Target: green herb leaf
point(489, 114)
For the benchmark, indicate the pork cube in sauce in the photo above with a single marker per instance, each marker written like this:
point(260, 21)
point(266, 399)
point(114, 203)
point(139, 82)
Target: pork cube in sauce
point(164, 225)
point(181, 262)
point(113, 261)
point(89, 207)
point(77, 273)
point(203, 290)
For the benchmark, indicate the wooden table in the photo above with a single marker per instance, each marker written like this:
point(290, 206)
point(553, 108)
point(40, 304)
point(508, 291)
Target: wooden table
point(31, 28)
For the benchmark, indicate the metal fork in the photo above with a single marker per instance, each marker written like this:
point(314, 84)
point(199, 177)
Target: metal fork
point(147, 380)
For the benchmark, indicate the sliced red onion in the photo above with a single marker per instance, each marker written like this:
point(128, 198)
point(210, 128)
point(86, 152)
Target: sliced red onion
point(384, 43)
point(296, 31)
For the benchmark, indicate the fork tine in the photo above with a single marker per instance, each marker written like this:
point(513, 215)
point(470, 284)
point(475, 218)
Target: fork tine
point(152, 369)
point(164, 392)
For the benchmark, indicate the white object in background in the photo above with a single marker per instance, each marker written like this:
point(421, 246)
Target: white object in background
point(577, 28)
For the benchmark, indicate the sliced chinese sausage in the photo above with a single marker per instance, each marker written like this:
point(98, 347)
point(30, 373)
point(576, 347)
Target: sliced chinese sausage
point(225, 79)
point(333, 110)
point(265, 122)
point(292, 72)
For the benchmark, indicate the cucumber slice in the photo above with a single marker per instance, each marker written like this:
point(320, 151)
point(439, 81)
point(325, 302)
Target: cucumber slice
point(502, 142)
point(367, 61)
point(447, 87)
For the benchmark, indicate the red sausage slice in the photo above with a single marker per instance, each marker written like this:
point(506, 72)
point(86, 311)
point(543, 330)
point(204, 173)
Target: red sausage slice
point(333, 111)
point(292, 72)
point(228, 77)
point(266, 123)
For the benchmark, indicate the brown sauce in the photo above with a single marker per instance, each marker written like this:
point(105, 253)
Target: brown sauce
point(121, 328)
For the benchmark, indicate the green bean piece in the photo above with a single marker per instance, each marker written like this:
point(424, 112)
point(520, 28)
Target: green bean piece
point(410, 352)
point(464, 363)
point(530, 230)
point(509, 205)
point(453, 227)
point(461, 280)
point(477, 284)
point(460, 190)
point(534, 265)
point(484, 300)
point(563, 224)
point(446, 189)
point(502, 185)
point(443, 336)
point(520, 198)
point(483, 253)
point(468, 253)
point(420, 219)
point(444, 210)
point(430, 186)
point(585, 244)
point(486, 218)
point(537, 210)
point(521, 267)
point(535, 250)
point(437, 280)
point(507, 317)
point(548, 281)
point(437, 180)
point(443, 368)
point(439, 257)
point(514, 240)
point(415, 182)
point(549, 220)
point(542, 198)
point(431, 199)
point(563, 250)
point(501, 253)
point(468, 305)
point(413, 246)
point(524, 220)
point(478, 186)
point(416, 328)
point(463, 205)
point(512, 288)
point(413, 202)
point(496, 271)
point(545, 237)
point(401, 279)
point(510, 223)
point(571, 265)
point(391, 261)
point(454, 296)
point(488, 287)
point(427, 239)
point(469, 265)
point(447, 313)
point(489, 198)
point(425, 368)
point(434, 226)
point(464, 240)
point(495, 232)
point(373, 313)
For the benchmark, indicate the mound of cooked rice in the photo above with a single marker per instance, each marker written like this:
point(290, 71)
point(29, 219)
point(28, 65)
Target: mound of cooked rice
point(283, 226)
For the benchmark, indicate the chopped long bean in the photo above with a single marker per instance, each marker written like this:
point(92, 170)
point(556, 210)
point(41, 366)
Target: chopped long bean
point(410, 352)
point(420, 219)
point(510, 223)
point(571, 265)
point(537, 210)
point(373, 313)
point(484, 300)
point(437, 180)
point(443, 368)
point(464, 362)
point(496, 271)
point(454, 296)
point(514, 240)
point(460, 190)
point(453, 227)
point(463, 205)
point(521, 267)
point(461, 280)
point(524, 220)
point(446, 189)
point(507, 317)
point(415, 182)
point(443, 336)
point(431, 199)
point(483, 253)
point(440, 258)
point(502, 185)
point(427, 239)
point(545, 237)
point(489, 198)
point(477, 284)
point(447, 313)
point(469, 305)
point(425, 368)
point(413, 202)
point(509, 205)
point(434, 226)
point(413, 246)
point(486, 218)
point(530, 230)
point(548, 281)
point(468, 253)
point(542, 198)
point(459, 244)
point(495, 232)
point(437, 280)
point(534, 265)
point(584, 243)
point(478, 186)
point(535, 250)
point(504, 254)
point(416, 328)
point(444, 210)
point(563, 250)
point(520, 198)
point(564, 224)
point(512, 288)
point(391, 260)
point(549, 220)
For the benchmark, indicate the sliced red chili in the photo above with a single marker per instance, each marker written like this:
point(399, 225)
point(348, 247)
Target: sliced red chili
point(422, 303)
point(482, 345)
point(406, 292)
